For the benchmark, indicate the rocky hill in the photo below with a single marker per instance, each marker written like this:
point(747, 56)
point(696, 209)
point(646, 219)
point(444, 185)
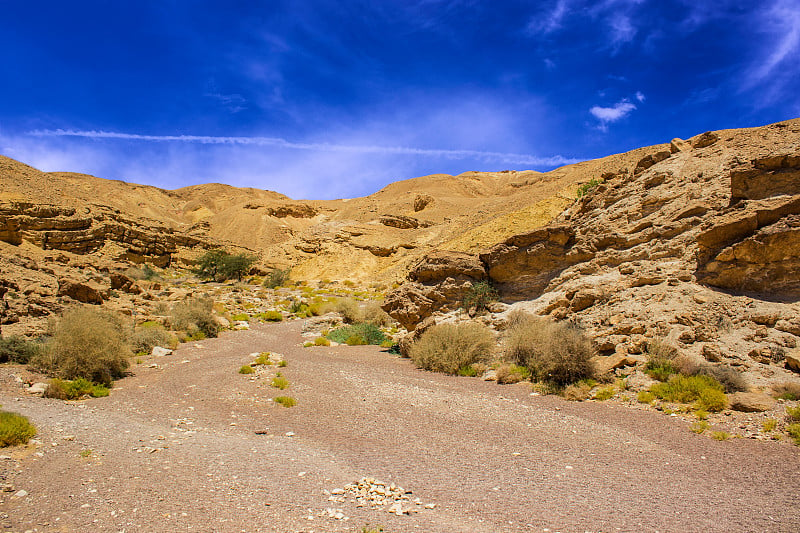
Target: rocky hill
point(697, 242)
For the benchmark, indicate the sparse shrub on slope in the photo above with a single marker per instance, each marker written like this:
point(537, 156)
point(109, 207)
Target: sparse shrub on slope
point(555, 352)
point(449, 347)
point(277, 278)
point(479, 296)
point(705, 390)
point(194, 315)
point(86, 342)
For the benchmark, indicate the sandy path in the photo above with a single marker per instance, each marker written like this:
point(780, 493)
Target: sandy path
point(175, 449)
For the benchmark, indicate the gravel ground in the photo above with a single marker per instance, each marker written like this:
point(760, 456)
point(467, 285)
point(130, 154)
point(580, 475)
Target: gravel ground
point(194, 446)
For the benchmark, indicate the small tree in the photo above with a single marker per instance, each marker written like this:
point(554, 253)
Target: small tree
point(235, 266)
point(209, 264)
point(479, 296)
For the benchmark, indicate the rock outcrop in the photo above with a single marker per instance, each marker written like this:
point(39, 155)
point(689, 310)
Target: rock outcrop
point(696, 245)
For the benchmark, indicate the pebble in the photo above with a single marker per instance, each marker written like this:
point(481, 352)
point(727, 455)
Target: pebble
point(21, 493)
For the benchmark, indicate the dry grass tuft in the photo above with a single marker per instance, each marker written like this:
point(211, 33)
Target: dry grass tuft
point(449, 347)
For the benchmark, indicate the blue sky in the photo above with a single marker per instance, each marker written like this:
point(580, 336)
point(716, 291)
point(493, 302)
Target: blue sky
point(324, 99)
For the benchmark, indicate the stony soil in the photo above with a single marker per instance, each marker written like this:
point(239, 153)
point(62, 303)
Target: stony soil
point(194, 446)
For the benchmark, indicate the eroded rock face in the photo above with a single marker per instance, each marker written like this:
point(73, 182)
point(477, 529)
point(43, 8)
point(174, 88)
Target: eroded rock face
point(645, 254)
point(85, 292)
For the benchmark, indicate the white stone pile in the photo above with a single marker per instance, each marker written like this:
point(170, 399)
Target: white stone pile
point(369, 492)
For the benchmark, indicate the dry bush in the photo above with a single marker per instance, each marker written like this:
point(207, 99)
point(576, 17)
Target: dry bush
point(556, 352)
point(86, 342)
point(508, 374)
point(449, 347)
point(577, 392)
point(731, 380)
point(347, 307)
point(148, 335)
point(17, 349)
point(194, 315)
point(788, 390)
point(372, 313)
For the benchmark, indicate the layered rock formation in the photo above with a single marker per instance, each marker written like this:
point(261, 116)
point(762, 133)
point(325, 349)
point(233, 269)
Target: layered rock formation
point(698, 243)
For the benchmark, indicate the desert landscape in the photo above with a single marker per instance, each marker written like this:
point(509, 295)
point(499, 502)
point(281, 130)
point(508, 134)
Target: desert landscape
point(415, 266)
point(451, 353)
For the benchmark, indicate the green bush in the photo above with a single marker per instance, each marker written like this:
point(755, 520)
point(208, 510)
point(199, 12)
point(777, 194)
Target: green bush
point(645, 397)
point(285, 401)
point(246, 369)
point(449, 347)
point(193, 316)
point(277, 278)
point(15, 429)
point(148, 335)
point(241, 317)
point(280, 382)
point(479, 296)
point(793, 413)
point(370, 334)
point(793, 430)
point(588, 187)
point(18, 349)
point(271, 316)
point(660, 360)
point(556, 352)
point(705, 390)
point(74, 389)
point(86, 342)
point(605, 393)
point(321, 341)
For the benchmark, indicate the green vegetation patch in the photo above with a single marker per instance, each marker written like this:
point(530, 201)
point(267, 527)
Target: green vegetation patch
point(369, 333)
point(15, 429)
point(705, 390)
point(74, 389)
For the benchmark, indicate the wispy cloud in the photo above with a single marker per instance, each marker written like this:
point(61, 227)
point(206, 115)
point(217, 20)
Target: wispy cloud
point(640, 96)
point(232, 102)
point(614, 113)
point(503, 157)
point(783, 21)
point(551, 20)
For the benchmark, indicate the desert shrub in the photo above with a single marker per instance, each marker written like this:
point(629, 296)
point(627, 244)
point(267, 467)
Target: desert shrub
point(280, 382)
point(720, 435)
point(517, 317)
point(148, 335)
point(74, 389)
point(660, 360)
point(355, 340)
point(282, 363)
point(793, 430)
point(15, 429)
point(246, 369)
point(449, 347)
point(507, 374)
point(479, 296)
point(285, 401)
point(240, 317)
point(787, 390)
point(18, 349)
point(145, 273)
point(85, 342)
point(645, 397)
point(194, 315)
point(321, 341)
point(555, 352)
point(699, 426)
point(605, 393)
point(769, 425)
point(588, 187)
point(577, 392)
point(370, 333)
point(270, 316)
point(468, 371)
point(348, 308)
point(277, 278)
point(372, 313)
point(731, 380)
point(793, 413)
point(263, 359)
point(705, 390)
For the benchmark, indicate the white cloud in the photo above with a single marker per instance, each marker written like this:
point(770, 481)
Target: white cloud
point(640, 96)
point(614, 113)
point(622, 29)
point(783, 22)
point(503, 157)
point(551, 21)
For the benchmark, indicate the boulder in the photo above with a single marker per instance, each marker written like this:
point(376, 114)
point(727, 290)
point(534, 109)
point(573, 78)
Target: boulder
point(160, 351)
point(605, 364)
point(792, 362)
point(86, 292)
point(679, 145)
point(750, 402)
point(704, 139)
